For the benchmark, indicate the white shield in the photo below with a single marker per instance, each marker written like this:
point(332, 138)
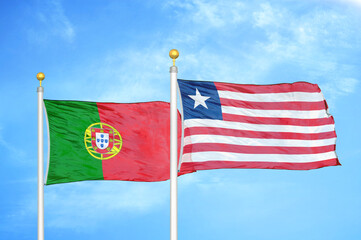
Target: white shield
point(102, 140)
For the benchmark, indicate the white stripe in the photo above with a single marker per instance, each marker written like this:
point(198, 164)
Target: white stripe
point(257, 127)
point(239, 157)
point(257, 141)
point(311, 114)
point(273, 97)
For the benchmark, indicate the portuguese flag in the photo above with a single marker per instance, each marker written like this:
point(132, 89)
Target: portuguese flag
point(108, 141)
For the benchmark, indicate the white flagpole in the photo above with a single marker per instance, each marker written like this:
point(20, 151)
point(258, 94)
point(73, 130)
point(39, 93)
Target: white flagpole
point(173, 148)
point(40, 76)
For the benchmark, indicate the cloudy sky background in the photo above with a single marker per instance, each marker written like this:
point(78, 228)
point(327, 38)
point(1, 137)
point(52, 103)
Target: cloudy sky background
point(117, 51)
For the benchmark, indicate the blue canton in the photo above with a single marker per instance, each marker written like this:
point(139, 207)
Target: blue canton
point(206, 89)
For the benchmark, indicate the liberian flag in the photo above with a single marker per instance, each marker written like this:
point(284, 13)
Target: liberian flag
point(282, 126)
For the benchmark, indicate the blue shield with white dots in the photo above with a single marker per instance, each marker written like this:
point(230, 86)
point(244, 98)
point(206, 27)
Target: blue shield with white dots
point(102, 140)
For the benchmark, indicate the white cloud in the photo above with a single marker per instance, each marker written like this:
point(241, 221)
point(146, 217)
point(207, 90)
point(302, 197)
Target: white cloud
point(314, 43)
point(338, 87)
point(84, 205)
point(291, 38)
point(13, 150)
point(123, 75)
point(356, 3)
point(211, 14)
point(249, 44)
point(53, 22)
point(348, 85)
point(267, 16)
point(133, 75)
point(212, 187)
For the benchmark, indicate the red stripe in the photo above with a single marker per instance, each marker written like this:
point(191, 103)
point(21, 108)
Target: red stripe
point(257, 134)
point(278, 121)
point(221, 147)
point(193, 166)
point(301, 106)
point(277, 88)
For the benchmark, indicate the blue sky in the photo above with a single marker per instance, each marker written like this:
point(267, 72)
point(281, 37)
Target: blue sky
point(118, 51)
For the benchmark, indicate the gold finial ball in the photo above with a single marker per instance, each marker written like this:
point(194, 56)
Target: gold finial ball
point(40, 76)
point(173, 53)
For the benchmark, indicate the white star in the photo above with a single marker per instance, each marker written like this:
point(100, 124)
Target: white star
point(199, 99)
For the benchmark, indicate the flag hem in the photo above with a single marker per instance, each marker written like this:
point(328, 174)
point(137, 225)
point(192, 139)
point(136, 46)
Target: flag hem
point(106, 102)
point(182, 138)
point(48, 133)
point(210, 165)
point(275, 84)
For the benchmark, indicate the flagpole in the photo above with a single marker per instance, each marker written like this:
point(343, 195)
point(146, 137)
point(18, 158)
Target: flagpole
point(40, 76)
point(173, 148)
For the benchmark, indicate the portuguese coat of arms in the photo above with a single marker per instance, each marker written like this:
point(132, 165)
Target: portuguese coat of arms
point(102, 141)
